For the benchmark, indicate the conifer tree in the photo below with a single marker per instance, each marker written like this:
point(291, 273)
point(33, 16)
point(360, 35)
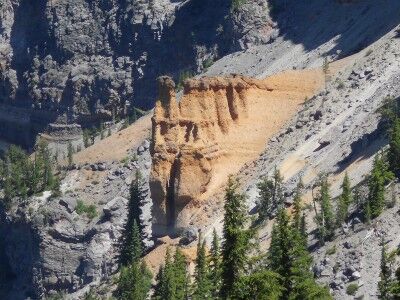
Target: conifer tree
point(202, 285)
point(271, 195)
point(180, 275)
point(134, 282)
point(215, 266)
point(279, 251)
point(166, 285)
point(303, 226)
point(380, 175)
point(135, 249)
point(302, 283)
point(289, 258)
point(344, 202)
point(236, 239)
point(325, 218)
point(297, 206)
point(172, 279)
point(385, 283)
point(134, 222)
point(260, 285)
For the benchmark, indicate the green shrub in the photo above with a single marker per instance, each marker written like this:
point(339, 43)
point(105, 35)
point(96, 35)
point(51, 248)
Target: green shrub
point(89, 210)
point(182, 77)
point(208, 63)
point(331, 250)
point(80, 207)
point(352, 289)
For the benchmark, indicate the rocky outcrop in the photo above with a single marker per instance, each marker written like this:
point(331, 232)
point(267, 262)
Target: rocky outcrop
point(54, 249)
point(186, 140)
point(218, 125)
point(84, 61)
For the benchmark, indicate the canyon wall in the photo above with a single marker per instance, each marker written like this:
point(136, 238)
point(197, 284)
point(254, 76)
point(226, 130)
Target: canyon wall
point(84, 61)
point(218, 125)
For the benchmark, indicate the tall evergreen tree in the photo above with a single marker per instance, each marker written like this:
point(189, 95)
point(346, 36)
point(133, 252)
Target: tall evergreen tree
point(302, 283)
point(379, 177)
point(202, 285)
point(172, 279)
point(280, 250)
point(166, 285)
point(135, 249)
point(134, 222)
point(288, 256)
point(385, 282)
point(215, 266)
point(325, 218)
point(260, 285)
point(180, 275)
point(344, 202)
point(271, 195)
point(297, 206)
point(134, 282)
point(236, 238)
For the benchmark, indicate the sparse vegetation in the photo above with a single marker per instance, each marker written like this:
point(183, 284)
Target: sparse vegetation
point(236, 4)
point(352, 289)
point(208, 63)
point(21, 176)
point(182, 77)
point(89, 210)
point(331, 250)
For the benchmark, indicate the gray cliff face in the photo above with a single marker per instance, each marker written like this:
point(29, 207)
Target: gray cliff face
point(83, 61)
point(47, 246)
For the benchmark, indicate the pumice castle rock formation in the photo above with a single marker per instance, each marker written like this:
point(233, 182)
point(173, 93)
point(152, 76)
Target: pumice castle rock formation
point(198, 141)
point(186, 138)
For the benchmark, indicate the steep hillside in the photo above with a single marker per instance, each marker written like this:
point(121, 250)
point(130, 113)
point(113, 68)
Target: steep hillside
point(90, 58)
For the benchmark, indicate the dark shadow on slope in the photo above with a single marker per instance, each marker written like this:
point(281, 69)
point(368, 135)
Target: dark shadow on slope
point(354, 25)
point(365, 147)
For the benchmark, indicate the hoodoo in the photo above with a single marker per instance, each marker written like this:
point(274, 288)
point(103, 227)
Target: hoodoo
point(210, 134)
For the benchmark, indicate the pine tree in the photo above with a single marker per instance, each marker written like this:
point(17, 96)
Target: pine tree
point(172, 279)
point(279, 251)
point(134, 222)
point(215, 266)
point(271, 195)
point(289, 258)
point(303, 226)
point(180, 275)
point(166, 285)
point(325, 218)
point(384, 284)
point(380, 175)
point(135, 249)
point(302, 283)
point(136, 198)
point(260, 285)
point(202, 285)
point(345, 200)
point(236, 239)
point(297, 207)
point(134, 282)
